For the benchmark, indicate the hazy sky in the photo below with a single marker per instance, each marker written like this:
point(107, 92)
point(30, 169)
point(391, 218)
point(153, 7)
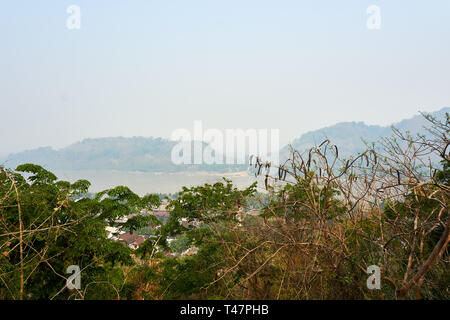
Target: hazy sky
point(146, 68)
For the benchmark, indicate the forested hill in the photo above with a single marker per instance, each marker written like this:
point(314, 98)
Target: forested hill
point(115, 153)
point(348, 136)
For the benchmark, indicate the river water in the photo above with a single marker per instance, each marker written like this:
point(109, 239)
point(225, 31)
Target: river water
point(154, 182)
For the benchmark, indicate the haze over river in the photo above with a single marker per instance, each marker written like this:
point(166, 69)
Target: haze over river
point(154, 182)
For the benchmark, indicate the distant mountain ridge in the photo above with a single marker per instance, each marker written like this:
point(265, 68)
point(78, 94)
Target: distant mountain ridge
point(154, 154)
point(348, 136)
point(114, 153)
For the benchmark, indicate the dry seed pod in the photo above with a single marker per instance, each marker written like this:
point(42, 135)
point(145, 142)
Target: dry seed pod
point(309, 159)
point(323, 143)
point(280, 172)
point(267, 168)
point(374, 156)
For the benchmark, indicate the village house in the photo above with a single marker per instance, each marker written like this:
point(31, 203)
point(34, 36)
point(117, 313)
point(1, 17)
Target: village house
point(133, 240)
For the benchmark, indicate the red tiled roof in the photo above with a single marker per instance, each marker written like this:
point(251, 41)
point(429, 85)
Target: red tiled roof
point(132, 238)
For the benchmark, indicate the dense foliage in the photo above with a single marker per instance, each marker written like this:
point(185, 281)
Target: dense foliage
point(322, 222)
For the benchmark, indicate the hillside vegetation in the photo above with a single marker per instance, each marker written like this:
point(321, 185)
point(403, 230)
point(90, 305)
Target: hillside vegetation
point(324, 221)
